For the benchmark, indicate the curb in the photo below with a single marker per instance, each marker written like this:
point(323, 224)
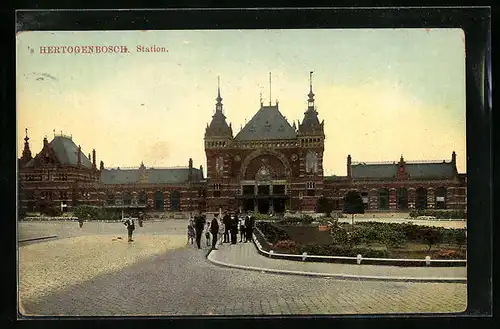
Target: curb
point(40, 238)
point(339, 275)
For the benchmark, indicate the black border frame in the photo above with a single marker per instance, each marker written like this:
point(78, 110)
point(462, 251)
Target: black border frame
point(476, 23)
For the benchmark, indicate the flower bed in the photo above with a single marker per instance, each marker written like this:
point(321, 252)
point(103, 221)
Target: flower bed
point(370, 239)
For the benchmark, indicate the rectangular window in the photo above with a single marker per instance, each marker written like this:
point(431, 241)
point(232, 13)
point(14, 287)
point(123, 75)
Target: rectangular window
point(310, 186)
point(217, 188)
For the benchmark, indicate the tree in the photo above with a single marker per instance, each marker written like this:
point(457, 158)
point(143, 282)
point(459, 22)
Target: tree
point(324, 206)
point(353, 204)
point(432, 236)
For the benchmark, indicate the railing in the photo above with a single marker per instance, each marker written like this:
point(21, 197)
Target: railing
point(358, 259)
point(147, 168)
point(396, 162)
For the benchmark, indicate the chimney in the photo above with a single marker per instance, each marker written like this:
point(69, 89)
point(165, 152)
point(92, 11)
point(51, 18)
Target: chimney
point(93, 159)
point(45, 141)
point(101, 167)
point(190, 173)
point(349, 171)
point(79, 156)
point(201, 171)
point(454, 158)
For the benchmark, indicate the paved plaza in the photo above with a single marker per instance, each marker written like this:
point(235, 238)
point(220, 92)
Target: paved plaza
point(90, 272)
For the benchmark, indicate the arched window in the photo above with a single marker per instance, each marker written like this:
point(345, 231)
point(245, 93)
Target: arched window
point(402, 198)
point(143, 198)
point(175, 201)
point(311, 162)
point(127, 200)
point(159, 201)
point(441, 198)
point(421, 198)
point(110, 199)
point(219, 165)
point(383, 199)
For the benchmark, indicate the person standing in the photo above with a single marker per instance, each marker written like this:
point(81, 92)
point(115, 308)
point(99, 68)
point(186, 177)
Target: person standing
point(191, 233)
point(207, 233)
point(234, 228)
point(141, 218)
point(199, 223)
point(249, 227)
point(222, 231)
point(227, 225)
point(214, 229)
point(129, 223)
point(242, 228)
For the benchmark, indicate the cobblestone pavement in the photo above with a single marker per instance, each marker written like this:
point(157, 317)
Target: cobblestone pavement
point(66, 229)
point(245, 254)
point(92, 275)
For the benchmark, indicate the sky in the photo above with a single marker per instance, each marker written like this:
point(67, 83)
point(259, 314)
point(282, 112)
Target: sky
point(382, 93)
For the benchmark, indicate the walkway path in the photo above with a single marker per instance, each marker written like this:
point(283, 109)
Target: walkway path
point(245, 256)
point(94, 275)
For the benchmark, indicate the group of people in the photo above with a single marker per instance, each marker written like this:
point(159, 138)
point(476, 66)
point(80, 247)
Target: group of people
point(224, 230)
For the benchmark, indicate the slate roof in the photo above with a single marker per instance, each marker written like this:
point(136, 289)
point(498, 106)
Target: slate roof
point(66, 151)
point(437, 170)
point(267, 124)
point(155, 176)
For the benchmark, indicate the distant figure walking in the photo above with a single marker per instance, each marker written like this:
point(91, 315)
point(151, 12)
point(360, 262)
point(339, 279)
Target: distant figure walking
point(191, 233)
point(214, 229)
point(80, 222)
point(199, 223)
point(129, 223)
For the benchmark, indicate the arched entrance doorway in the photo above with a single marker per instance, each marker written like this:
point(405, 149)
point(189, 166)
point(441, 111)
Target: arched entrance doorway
point(265, 176)
point(159, 201)
point(402, 198)
point(421, 199)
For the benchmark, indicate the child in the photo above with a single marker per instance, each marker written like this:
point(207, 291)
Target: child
point(190, 232)
point(222, 230)
point(207, 233)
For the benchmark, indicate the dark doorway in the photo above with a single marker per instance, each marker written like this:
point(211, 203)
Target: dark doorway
point(248, 205)
point(383, 199)
point(159, 202)
point(263, 206)
point(248, 190)
point(175, 201)
point(441, 198)
point(263, 190)
point(279, 205)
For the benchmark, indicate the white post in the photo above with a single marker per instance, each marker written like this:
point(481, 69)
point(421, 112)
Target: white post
point(271, 253)
point(358, 259)
point(122, 214)
point(304, 256)
point(427, 260)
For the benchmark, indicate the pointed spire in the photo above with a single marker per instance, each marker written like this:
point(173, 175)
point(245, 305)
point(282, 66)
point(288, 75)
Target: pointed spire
point(401, 159)
point(101, 166)
point(218, 105)
point(93, 160)
point(26, 152)
point(261, 102)
point(310, 100)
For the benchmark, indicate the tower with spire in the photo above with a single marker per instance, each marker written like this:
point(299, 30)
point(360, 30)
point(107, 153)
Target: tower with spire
point(26, 157)
point(218, 129)
point(310, 125)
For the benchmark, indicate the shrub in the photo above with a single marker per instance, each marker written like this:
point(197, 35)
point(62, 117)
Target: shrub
point(392, 238)
point(271, 232)
point(324, 206)
point(432, 236)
